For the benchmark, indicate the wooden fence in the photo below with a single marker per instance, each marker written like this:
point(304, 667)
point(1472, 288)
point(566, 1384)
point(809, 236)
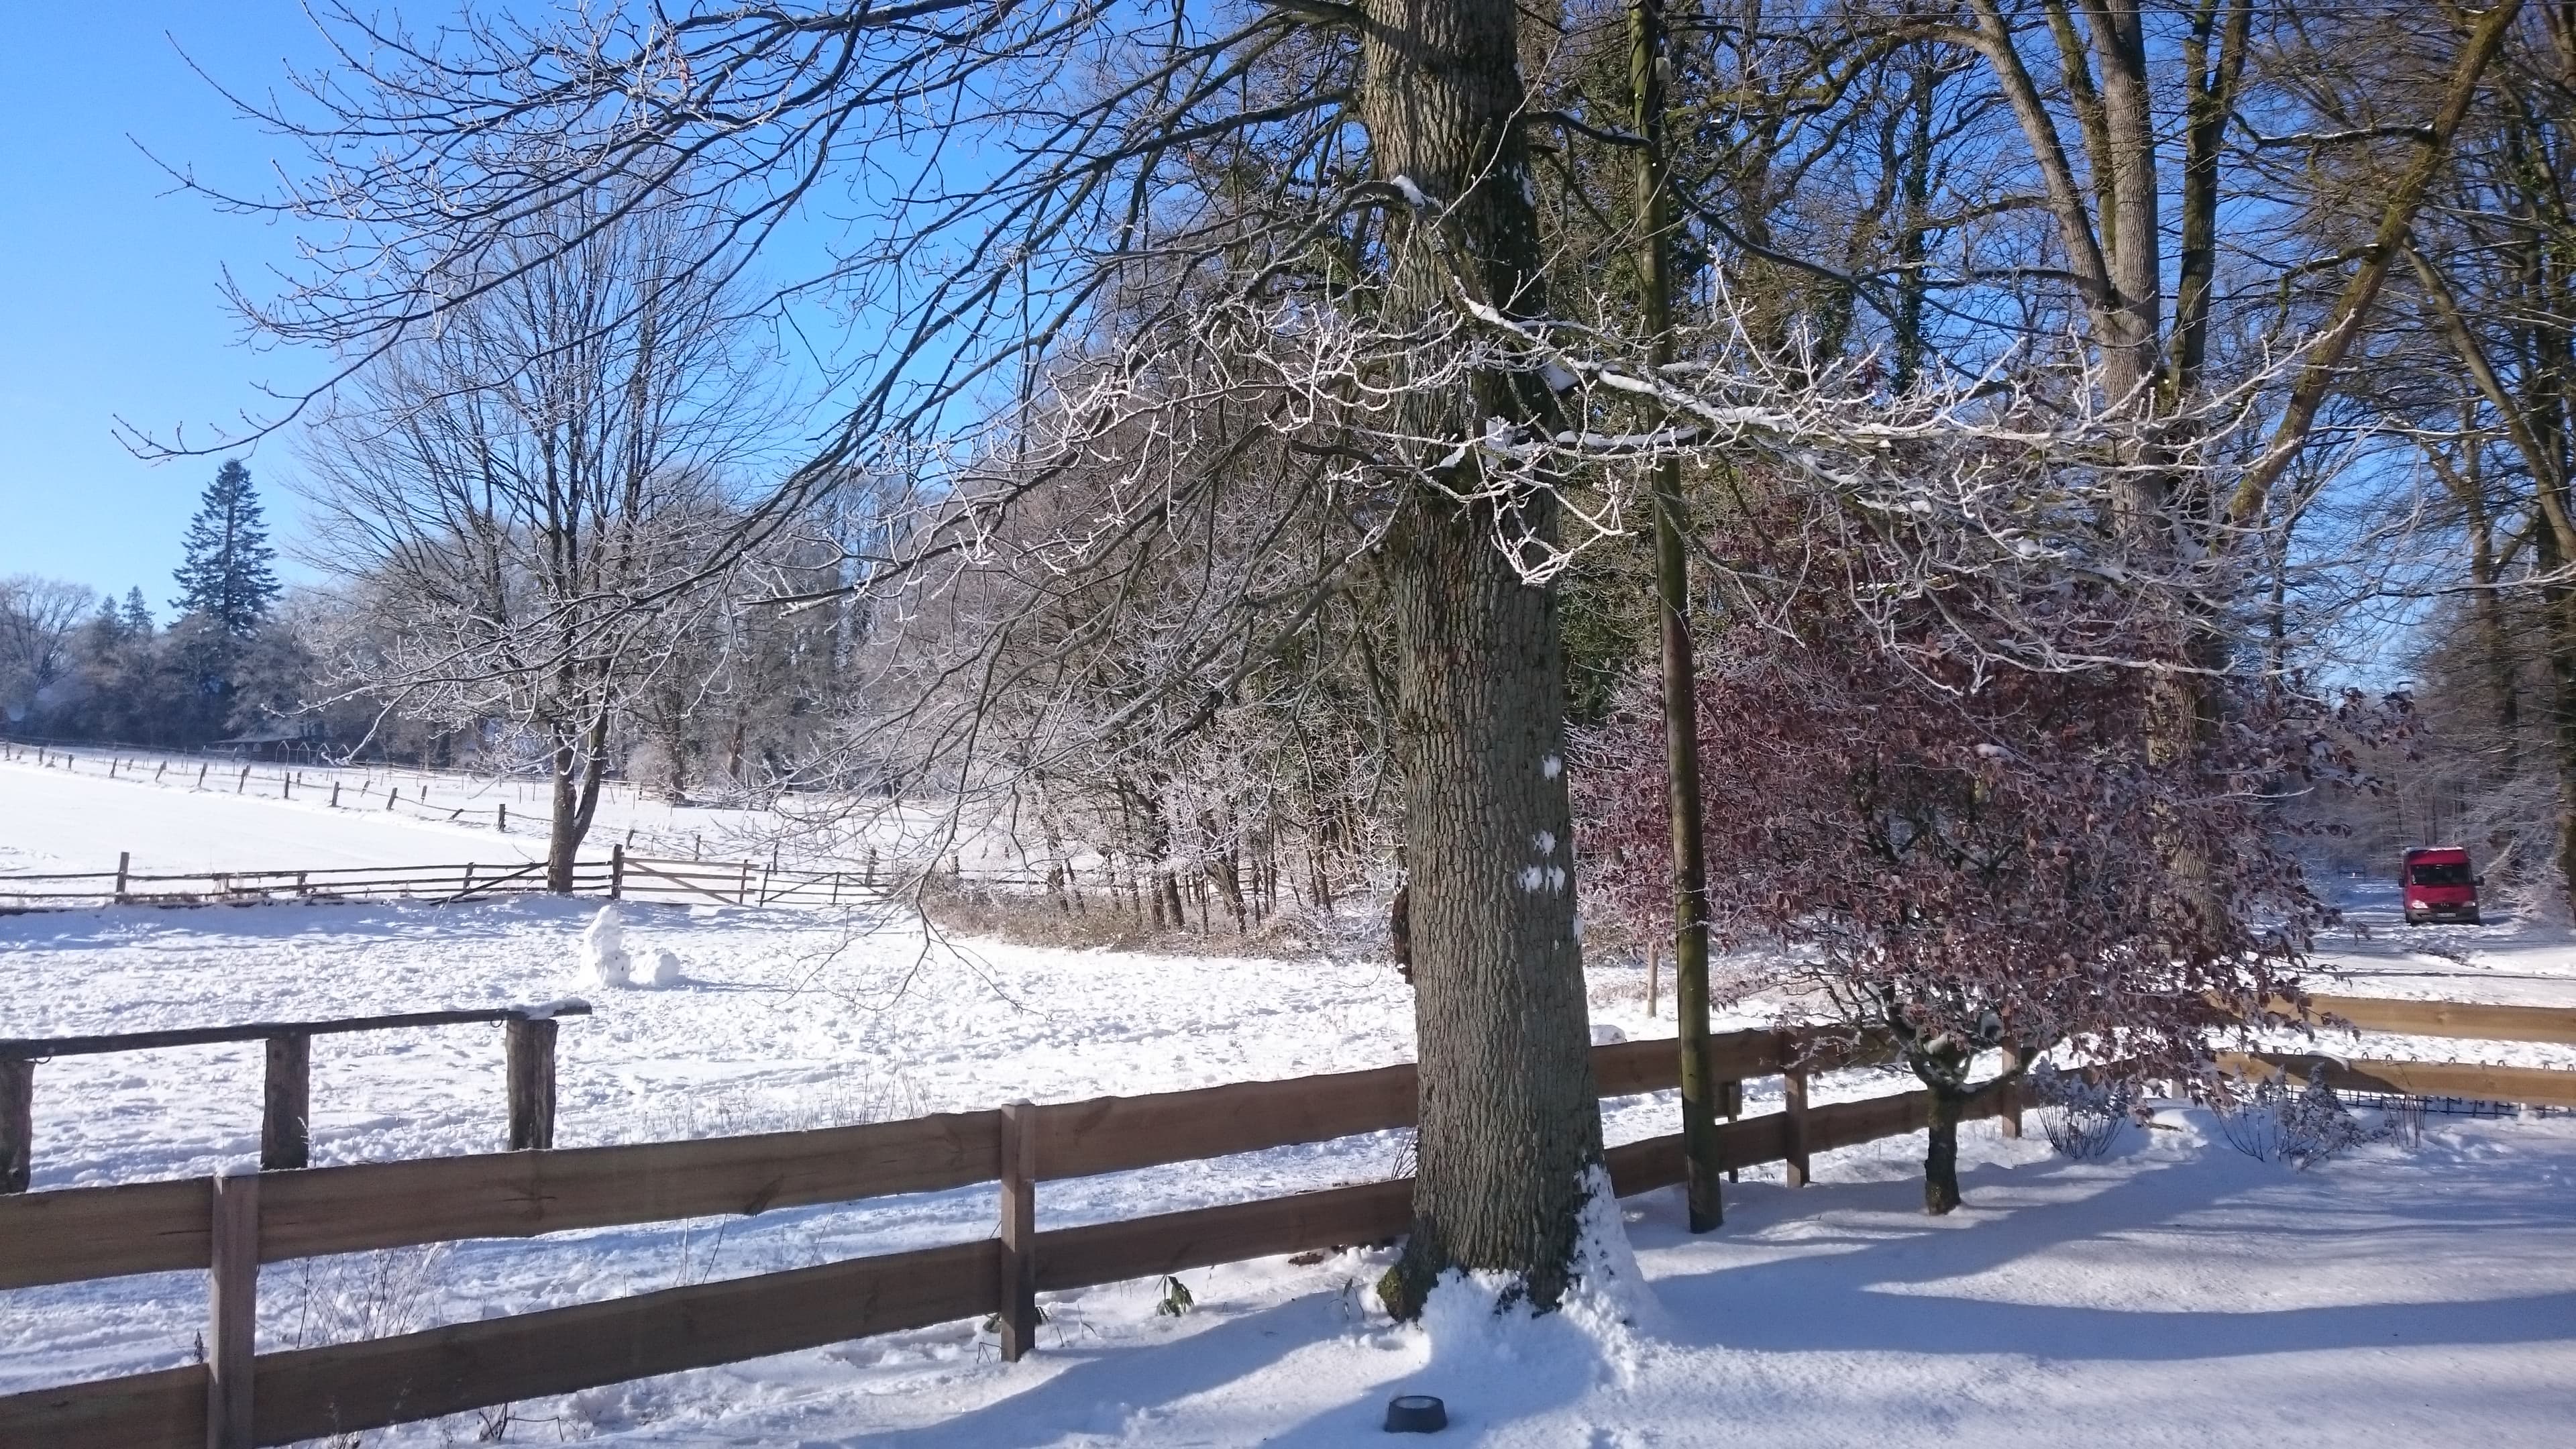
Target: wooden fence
point(228, 1227)
point(285, 1133)
point(621, 876)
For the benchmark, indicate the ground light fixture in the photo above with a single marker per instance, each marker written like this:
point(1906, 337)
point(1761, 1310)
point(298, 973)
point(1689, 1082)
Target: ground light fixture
point(1416, 1414)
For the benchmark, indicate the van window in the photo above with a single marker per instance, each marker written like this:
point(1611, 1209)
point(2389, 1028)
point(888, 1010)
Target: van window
point(2440, 873)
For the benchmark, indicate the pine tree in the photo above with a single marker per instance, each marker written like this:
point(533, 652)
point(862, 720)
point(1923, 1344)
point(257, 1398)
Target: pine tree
point(227, 576)
point(138, 615)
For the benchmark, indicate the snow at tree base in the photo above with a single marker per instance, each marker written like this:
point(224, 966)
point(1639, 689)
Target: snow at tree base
point(2173, 1291)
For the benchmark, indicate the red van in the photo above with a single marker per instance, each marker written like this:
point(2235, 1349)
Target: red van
point(2438, 886)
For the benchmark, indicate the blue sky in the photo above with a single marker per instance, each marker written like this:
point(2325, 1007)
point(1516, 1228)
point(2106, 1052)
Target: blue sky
point(109, 285)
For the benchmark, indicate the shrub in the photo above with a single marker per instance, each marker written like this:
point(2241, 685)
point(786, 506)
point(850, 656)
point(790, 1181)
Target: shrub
point(2082, 1118)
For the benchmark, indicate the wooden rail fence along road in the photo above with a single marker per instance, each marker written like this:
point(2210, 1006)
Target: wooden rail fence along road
point(228, 1227)
point(285, 1138)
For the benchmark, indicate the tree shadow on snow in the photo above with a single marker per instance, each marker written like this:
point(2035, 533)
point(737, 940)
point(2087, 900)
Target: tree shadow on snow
point(1861, 1271)
point(1872, 1281)
point(1113, 1387)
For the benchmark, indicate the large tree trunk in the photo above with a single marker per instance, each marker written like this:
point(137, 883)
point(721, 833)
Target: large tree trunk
point(1510, 1125)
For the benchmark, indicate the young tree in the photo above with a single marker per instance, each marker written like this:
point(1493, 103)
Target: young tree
point(1959, 854)
point(227, 575)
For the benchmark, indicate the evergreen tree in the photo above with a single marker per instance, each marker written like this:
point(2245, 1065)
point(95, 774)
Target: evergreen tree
point(138, 615)
point(227, 576)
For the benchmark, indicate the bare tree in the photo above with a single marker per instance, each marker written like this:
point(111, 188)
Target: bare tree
point(2494, 406)
point(37, 619)
point(515, 496)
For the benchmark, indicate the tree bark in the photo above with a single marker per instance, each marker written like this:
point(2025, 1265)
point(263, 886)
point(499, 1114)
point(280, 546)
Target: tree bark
point(1701, 1167)
point(1941, 1152)
point(563, 832)
point(1510, 1125)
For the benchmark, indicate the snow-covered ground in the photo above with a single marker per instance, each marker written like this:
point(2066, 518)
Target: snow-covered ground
point(2177, 1292)
point(75, 811)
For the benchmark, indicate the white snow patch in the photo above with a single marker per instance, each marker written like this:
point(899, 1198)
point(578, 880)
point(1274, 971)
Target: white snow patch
point(1551, 767)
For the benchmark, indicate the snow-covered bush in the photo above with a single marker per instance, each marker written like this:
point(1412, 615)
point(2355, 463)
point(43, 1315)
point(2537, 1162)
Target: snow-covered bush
point(2082, 1118)
point(2264, 1118)
point(603, 950)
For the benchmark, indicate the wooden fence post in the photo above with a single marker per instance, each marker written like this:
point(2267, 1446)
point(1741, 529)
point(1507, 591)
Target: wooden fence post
point(159, 770)
point(1654, 968)
point(335, 794)
point(503, 820)
point(286, 786)
point(1730, 1105)
point(2010, 1119)
point(869, 880)
point(232, 1318)
point(17, 1122)
point(202, 766)
point(244, 783)
point(1793, 1102)
point(124, 862)
point(742, 892)
point(617, 872)
point(1019, 1312)
point(532, 1082)
point(286, 1098)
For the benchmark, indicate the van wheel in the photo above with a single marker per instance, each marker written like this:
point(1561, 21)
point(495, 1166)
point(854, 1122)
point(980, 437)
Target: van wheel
point(2473, 919)
point(2413, 919)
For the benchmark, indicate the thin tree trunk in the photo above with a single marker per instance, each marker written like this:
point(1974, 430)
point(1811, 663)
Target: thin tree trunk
point(2487, 604)
point(1680, 674)
point(563, 832)
point(1941, 1152)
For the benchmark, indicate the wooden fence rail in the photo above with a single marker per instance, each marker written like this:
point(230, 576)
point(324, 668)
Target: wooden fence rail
point(241, 1398)
point(285, 1134)
point(621, 876)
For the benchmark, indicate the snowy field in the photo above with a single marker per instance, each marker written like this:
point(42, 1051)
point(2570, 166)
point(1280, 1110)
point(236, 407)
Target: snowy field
point(2177, 1292)
point(79, 817)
